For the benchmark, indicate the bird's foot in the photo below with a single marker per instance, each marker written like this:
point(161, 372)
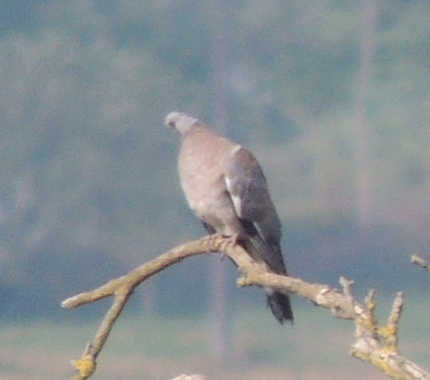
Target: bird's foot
point(213, 241)
point(220, 242)
point(230, 241)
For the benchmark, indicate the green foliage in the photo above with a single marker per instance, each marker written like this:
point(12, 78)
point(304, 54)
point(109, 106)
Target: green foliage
point(88, 167)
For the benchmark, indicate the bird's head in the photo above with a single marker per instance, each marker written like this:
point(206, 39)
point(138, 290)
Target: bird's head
point(180, 122)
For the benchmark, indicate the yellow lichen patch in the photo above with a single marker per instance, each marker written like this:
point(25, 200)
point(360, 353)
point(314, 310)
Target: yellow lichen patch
point(86, 365)
point(390, 348)
point(387, 331)
point(378, 361)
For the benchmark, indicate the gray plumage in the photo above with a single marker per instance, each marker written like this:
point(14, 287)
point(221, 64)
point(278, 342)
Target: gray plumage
point(227, 190)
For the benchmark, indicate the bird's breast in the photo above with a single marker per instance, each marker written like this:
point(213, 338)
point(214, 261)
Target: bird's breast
point(204, 186)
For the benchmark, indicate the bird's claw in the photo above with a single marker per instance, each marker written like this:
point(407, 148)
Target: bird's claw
point(229, 241)
point(221, 243)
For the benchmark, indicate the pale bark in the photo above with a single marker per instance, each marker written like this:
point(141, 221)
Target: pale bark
point(375, 344)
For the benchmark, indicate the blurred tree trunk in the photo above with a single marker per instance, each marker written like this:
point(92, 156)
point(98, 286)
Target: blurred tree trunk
point(221, 339)
point(150, 298)
point(364, 185)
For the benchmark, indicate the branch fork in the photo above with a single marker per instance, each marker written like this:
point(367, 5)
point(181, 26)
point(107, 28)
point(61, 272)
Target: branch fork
point(373, 344)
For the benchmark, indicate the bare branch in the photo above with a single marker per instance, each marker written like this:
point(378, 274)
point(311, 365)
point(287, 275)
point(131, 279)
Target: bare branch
point(122, 288)
point(190, 377)
point(416, 259)
point(377, 345)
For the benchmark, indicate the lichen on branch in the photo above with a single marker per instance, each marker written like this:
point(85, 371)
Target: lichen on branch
point(373, 344)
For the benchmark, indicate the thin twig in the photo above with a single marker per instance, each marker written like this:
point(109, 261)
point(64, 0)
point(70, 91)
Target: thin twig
point(122, 288)
point(418, 260)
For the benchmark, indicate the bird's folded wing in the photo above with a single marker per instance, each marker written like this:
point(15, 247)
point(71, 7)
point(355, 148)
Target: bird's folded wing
point(247, 187)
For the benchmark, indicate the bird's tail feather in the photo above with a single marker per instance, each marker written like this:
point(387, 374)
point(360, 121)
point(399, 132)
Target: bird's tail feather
point(280, 305)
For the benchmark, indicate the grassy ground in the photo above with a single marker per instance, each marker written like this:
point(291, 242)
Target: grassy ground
point(315, 348)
